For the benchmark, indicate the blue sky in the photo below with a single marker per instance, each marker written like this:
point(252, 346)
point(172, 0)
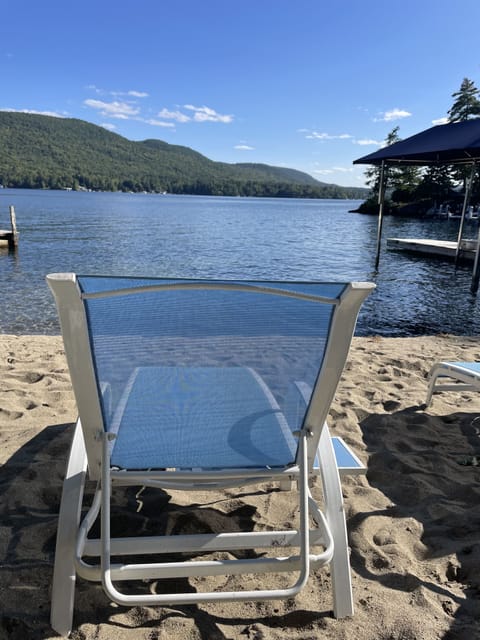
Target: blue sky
point(307, 84)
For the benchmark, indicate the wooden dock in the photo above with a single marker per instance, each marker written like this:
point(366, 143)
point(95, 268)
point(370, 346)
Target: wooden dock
point(435, 248)
point(9, 238)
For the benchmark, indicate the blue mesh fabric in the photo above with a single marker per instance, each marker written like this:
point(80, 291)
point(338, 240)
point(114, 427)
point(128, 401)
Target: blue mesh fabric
point(202, 378)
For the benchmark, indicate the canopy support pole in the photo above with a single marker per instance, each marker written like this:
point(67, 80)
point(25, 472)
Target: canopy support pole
point(466, 200)
point(476, 264)
point(476, 267)
point(381, 203)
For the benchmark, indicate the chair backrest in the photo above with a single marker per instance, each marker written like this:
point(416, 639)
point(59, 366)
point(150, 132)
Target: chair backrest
point(286, 332)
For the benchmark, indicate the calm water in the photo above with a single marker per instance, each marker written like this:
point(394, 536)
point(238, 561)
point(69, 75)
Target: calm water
point(187, 236)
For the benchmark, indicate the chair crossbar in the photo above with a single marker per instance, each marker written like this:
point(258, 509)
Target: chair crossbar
point(204, 568)
point(122, 477)
point(199, 286)
point(202, 543)
point(455, 386)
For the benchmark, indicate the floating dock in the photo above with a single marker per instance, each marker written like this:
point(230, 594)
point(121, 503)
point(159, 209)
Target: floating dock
point(435, 248)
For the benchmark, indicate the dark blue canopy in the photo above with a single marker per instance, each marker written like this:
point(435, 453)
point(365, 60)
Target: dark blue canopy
point(454, 143)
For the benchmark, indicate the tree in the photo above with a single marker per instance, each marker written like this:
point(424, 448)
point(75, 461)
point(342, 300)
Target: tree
point(436, 183)
point(466, 104)
point(372, 174)
point(465, 107)
point(404, 183)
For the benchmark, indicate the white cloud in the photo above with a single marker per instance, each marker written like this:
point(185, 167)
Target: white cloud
point(314, 135)
point(393, 114)
point(132, 94)
point(107, 125)
point(243, 147)
point(138, 94)
point(440, 121)
point(53, 114)
point(367, 141)
point(205, 114)
point(160, 123)
point(174, 115)
point(331, 170)
point(104, 92)
point(115, 109)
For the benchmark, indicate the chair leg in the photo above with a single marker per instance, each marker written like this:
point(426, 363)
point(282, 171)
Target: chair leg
point(335, 515)
point(63, 589)
point(431, 387)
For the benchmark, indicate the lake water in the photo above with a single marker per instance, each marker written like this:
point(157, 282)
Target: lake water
point(216, 237)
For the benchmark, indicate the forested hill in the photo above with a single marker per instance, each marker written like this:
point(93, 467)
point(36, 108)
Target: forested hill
point(56, 153)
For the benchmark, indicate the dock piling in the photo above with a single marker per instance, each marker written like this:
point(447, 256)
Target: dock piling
point(10, 238)
point(13, 240)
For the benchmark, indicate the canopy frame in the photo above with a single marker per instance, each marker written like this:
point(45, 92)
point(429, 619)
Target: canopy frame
point(455, 143)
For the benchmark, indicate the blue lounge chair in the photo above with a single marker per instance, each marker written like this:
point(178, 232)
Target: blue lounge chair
point(465, 377)
point(202, 385)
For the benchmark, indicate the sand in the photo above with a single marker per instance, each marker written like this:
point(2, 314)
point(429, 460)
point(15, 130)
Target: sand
point(413, 520)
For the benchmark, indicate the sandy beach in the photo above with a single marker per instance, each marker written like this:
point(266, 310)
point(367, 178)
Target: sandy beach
point(413, 520)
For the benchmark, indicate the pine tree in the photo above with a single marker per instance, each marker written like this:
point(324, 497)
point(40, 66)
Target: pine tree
point(466, 104)
point(436, 183)
point(372, 174)
point(465, 107)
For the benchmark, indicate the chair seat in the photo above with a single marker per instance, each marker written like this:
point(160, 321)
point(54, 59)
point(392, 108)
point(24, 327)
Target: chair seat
point(200, 417)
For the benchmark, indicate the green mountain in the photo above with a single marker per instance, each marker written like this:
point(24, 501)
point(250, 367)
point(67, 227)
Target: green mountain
point(57, 153)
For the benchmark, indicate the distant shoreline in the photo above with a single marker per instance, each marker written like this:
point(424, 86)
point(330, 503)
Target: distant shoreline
point(4, 190)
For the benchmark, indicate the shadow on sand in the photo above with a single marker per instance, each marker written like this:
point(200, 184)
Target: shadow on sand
point(30, 491)
point(426, 466)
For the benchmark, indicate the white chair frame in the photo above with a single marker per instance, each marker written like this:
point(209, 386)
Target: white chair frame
point(465, 379)
point(90, 450)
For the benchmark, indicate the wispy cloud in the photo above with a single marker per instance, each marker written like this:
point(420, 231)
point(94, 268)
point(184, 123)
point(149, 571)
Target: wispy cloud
point(314, 135)
point(364, 142)
point(323, 172)
point(159, 123)
point(244, 147)
point(106, 92)
point(54, 114)
point(137, 94)
point(440, 121)
point(393, 114)
point(178, 116)
point(129, 108)
point(332, 170)
point(115, 109)
point(206, 114)
point(109, 126)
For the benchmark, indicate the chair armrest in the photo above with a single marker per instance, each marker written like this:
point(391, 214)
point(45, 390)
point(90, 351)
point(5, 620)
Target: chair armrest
point(347, 462)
